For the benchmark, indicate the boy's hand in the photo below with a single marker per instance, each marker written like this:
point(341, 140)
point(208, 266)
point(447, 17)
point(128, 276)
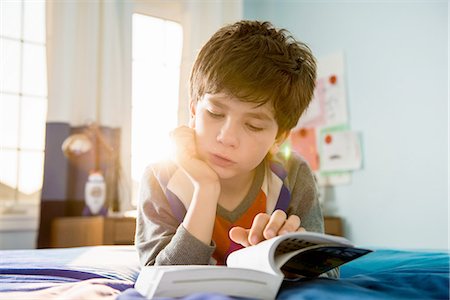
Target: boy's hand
point(265, 227)
point(186, 157)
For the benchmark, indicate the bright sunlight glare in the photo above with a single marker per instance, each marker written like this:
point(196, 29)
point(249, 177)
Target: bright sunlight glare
point(157, 46)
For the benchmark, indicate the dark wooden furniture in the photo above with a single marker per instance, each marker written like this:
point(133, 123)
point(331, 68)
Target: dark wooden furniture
point(333, 225)
point(92, 231)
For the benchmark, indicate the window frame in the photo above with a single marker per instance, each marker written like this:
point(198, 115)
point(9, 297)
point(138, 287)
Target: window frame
point(172, 11)
point(13, 199)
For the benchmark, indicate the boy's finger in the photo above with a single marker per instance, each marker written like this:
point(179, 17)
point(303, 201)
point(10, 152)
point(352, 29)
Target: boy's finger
point(183, 141)
point(239, 235)
point(277, 219)
point(292, 224)
point(256, 232)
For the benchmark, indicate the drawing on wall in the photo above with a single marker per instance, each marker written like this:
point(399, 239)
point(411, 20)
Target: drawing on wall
point(339, 150)
point(329, 104)
point(322, 135)
point(304, 142)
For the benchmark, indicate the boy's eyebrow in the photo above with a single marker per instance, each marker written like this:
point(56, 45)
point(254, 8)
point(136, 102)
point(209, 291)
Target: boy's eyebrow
point(260, 115)
point(217, 103)
point(257, 115)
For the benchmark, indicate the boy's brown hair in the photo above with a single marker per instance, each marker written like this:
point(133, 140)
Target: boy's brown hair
point(257, 63)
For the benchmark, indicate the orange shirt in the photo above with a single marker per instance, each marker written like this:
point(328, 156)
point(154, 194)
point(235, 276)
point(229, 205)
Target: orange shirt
point(224, 245)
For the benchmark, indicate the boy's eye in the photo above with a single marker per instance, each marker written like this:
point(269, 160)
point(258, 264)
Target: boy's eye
point(254, 128)
point(215, 115)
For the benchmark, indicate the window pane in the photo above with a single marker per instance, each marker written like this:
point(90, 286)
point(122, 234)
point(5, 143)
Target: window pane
point(155, 91)
point(22, 119)
point(9, 121)
point(10, 18)
point(31, 170)
point(32, 123)
point(148, 38)
point(31, 198)
point(34, 25)
point(174, 44)
point(142, 84)
point(155, 85)
point(172, 90)
point(8, 177)
point(34, 70)
point(10, 62)
point(7, 196)
point(8, 169)
point(158, 86)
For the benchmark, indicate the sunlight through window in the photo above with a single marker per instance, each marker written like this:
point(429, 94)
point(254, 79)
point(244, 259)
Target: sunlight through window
point(157, 46)
point(23, 101)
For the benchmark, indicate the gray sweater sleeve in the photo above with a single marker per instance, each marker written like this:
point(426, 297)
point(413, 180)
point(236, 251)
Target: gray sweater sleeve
point(304, 194)
point(160, 238)
point(304, 198)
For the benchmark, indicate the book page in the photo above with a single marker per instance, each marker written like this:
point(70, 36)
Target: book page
point(311, 262)
point(281, 259)
point(155, 282)
point(264, 256)
point(255, 257)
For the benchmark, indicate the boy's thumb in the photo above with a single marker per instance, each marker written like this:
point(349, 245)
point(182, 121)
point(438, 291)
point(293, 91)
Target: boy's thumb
point(239, 235)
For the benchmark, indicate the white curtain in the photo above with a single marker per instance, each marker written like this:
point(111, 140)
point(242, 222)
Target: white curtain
point(89, 70)
point(89, 59)
point(89, 54)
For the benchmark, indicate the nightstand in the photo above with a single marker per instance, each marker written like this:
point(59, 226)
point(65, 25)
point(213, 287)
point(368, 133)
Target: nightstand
point(92, 231)
point(333, 225)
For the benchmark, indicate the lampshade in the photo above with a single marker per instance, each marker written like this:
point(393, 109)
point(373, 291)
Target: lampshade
point(76, 144)
point(91, 138)
point(91, 151)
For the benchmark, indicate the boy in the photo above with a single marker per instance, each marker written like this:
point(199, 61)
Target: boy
point(227, 187)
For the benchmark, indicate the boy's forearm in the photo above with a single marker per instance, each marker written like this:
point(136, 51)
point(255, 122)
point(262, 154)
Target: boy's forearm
point(184, 249)
point(200, 216)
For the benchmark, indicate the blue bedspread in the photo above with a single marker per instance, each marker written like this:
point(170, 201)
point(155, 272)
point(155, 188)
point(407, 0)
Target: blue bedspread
point(31, 270)
point(383, 274)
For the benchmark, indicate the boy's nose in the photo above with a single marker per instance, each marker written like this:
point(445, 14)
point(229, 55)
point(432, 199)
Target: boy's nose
point(229, 135)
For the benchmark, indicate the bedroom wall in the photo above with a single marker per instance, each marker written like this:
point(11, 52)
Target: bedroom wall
point(397, 91)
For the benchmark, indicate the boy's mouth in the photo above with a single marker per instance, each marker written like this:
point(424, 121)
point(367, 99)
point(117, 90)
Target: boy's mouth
point(220, 160)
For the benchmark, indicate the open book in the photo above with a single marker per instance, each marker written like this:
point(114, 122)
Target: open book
point(252, 272)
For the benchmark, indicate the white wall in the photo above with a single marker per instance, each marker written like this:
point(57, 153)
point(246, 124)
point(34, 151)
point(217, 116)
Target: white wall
point(396, 56)
point(18, 227)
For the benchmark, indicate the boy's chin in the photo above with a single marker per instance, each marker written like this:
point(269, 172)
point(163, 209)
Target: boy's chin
point(228, 174)
point(223, 173)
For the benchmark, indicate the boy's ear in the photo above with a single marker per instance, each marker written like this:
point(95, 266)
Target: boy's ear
point(278, 142)
point(192, 108)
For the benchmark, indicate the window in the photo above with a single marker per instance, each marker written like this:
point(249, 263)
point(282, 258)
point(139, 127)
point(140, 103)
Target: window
point(23, 101)
point(156, 58)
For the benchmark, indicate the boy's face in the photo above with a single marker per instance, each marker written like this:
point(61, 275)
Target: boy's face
point(232, 136)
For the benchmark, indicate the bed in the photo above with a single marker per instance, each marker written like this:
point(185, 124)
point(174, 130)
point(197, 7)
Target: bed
point(109, 272)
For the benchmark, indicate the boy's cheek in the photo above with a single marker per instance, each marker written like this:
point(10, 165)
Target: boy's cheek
point(201, 131)
point(201, 146)
point(197, 123)
point(192, 122)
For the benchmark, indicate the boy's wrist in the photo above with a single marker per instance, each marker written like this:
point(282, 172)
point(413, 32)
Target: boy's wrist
point(210, 187)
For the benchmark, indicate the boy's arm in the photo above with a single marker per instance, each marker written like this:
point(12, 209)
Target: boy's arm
point(201, 212)
point(160, 239)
